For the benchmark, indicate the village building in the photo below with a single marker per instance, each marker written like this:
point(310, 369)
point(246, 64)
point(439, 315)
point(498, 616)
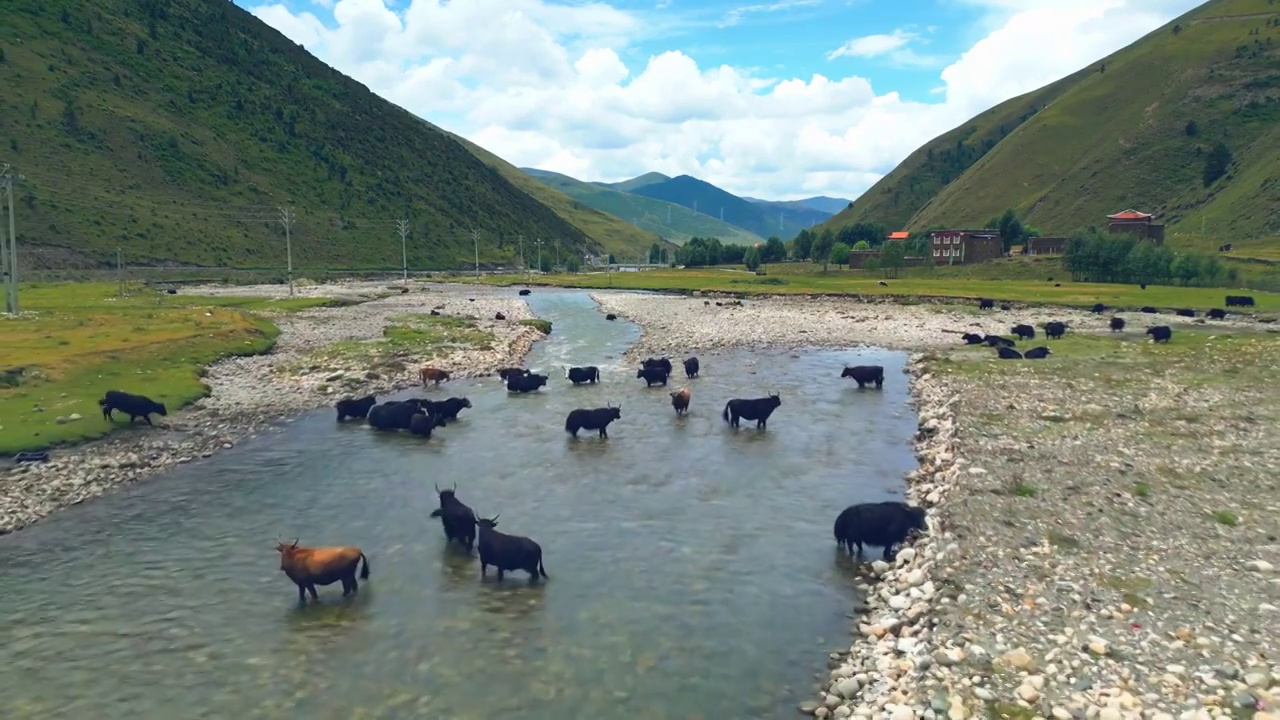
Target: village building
point(1137, 223)
point(1045, 246)
point(898, 235)
point(965, 247)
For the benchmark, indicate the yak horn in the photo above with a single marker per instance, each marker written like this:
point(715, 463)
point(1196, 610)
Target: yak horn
point(437, 486)
point(295, 542)
point(455, 487)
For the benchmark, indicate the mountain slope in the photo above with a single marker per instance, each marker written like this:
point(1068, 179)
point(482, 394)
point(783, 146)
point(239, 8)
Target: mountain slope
point(671, 221)
point(649, 178)
point(826, 205)
point(1133, 130)
point(705, 198)
point(614, 234)
point(173, 129)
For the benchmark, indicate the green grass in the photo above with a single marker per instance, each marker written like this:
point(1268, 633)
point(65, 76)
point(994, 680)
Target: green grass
point(1226, 517)
point(805, 278)
point(84, 340)
point(646, 213)
point(542, 326)
point(1096, 142)
point(613, 230)
point(174, 133)
point(408, 338)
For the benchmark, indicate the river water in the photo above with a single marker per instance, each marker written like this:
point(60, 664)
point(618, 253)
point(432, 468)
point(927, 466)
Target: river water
point(692, 569)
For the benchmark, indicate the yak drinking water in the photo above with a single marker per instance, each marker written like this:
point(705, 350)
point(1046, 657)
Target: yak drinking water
point(653, 375)
point(882, 524)
point(135, 406)
point(508, 552)
point(577, 375)
point(597, 419)
point(457, 517)
point(355, 407)
point(309, 567)
point(445, 410)
point(863, 374)
point(525, 383)
point(758, 409)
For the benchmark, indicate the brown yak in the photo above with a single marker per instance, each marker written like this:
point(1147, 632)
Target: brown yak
point(308, 567)
point(680, 400)
point(430, 373)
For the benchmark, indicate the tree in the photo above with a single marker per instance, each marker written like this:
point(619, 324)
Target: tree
point(861, 245)
point(1192, 129)
point(892, 257)
point(821, 251)
point(803, 245)
point(655, 254)
point(573, 265)
point(752, 258)
point(774, 250)
point(840, 254)
point(612, 260)
point(1217, 163)
point(1010, 229)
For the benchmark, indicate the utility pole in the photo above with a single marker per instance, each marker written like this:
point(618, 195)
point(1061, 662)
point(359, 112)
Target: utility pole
point(286, 219)
point(539, 254)
point(721, 213)
point(9, 250)
point(120, 271)
point(695, 207)
point(475, 243)
point(523, 264)
point(403, 226)
point(557, 252)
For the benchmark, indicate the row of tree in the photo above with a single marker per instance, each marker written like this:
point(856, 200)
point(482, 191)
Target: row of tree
point(1096, 256)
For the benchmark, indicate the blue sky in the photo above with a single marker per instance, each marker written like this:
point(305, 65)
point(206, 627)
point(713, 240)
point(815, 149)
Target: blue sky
point(778, 99)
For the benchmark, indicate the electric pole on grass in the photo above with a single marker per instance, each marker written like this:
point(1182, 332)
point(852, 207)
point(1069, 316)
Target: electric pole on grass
point(286, 219)
point(9, 242)
point(403, 226)
point(475, 242)
point(523, 264)
point(120, 271)
point(539, 255)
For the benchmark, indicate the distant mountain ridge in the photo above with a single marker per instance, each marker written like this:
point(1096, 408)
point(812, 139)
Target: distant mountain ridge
point(821, 203)
point(763, 219)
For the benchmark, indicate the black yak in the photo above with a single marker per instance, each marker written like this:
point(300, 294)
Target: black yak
point(997, 341)
point(1024, 332)
point(309, 567)
point(1008, 353)
point(985, 304)
point(1055, 329)
point(508, 372)
point(135, 406)
point(525, 383)
point(458, 519)
point(1216, 314)
point(1099, 308)
point(1160, 333)
point(972, 339)
point(1186, 312)
point(394, 415)
point(499, 316)
point(758, 409)
point(691, 367)
point(354, 408)
point(508, 552)
point(577, 375)
point(1117, 324)
point(663, 363)
point(597, 419)
point(1239, 301)
point(610, 316)
point(1037, 353)
point(863, 374)
point(524, 291)
point(653, 376)
point(680, 400)
point(882, 524)
point(422, 424)
point(445, 410)
point(1147, 309)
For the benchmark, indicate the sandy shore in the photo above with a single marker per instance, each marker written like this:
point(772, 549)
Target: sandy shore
point(248, 394)
point(1103, 538)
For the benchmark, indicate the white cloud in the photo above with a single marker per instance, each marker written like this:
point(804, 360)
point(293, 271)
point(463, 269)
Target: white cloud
point(738, 14)
point(559, 86)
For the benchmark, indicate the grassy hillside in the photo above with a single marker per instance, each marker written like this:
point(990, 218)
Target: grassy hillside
point(174, 128)
point(674, 222)
point(608, 230)
point(763, 220)
point(1132, 130)
point(822, 203)
point(650, 178)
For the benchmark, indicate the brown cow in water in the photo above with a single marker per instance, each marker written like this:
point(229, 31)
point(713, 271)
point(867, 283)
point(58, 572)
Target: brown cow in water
point(309, 567)
point(432, 374)
point(680, 400)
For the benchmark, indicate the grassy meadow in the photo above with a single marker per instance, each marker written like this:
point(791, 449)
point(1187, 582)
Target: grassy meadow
point(76, 341)
point(809, 279)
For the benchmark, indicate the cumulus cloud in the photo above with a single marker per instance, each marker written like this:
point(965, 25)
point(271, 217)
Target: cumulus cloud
point(560, 86)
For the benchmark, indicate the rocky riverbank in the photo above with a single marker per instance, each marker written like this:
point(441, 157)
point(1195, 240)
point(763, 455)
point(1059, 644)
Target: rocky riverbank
point(249, 394)
point(1103, 525)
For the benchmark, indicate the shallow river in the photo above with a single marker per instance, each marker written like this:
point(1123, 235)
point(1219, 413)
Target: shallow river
point(692, 569)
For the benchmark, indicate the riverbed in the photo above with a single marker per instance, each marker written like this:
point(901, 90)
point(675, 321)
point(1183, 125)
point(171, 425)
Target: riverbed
point(692, 569)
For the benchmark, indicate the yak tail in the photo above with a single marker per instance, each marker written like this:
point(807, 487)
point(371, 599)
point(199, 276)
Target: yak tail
point(436, 513)
point(725, 414)
point(542, 568)
point(364, 573)
point(568, 425)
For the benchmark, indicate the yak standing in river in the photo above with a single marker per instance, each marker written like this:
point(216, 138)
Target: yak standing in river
point(691, 367)
point(653, 375)
point(882, 524)
point(508, 552)
point(680, 401)
point(863, 374)
point(309, 567)
point(577, 375)
point(597, 419)
point(758, 409)
point(458, 519)
point(355, 408)
point(525, 383)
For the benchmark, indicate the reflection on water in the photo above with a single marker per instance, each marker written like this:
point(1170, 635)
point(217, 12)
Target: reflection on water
point(692, 566)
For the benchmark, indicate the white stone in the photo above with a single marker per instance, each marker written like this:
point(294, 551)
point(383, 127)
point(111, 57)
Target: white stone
point(1259, 566)
point(899, 602)
point(903, 712)
point(848, 688)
